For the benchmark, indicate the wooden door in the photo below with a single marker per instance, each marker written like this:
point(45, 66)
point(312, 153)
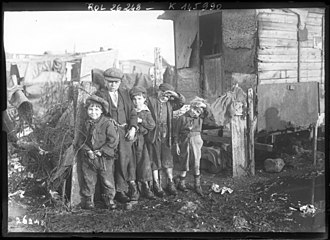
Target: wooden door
point(213, 79)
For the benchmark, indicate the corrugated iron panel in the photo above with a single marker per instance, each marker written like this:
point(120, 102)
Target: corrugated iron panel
point(286, 105)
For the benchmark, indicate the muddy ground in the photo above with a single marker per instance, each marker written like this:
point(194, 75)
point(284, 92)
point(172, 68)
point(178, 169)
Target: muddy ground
point(266, 202)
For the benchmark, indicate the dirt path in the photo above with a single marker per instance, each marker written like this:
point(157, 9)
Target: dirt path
point(251, 207)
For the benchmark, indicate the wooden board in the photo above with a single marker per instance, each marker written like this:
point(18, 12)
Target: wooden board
point(277, 11)
point(277, 66)
point(252, 123)
point(314, 28)
point(310, 79)
point(213, 82)
point(311, 65)
point(278, 34)
point(271, 42)
point(265, 25)
point(280, 18)
point(314, 20)
point(277, 51)
point(238, 129)
point(278, 58)
point(277, 74)
point(311, 73)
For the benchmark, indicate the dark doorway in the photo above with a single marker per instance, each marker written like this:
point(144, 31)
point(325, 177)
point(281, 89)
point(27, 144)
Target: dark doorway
point(210, 30)
point(210, 34)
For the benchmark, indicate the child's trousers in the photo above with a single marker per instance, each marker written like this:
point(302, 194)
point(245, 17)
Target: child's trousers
point(91, 169)
point(190, 150)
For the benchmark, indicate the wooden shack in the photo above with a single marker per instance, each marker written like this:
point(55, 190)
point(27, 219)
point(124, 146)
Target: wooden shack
point(277, 53)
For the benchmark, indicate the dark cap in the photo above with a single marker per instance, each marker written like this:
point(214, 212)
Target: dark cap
point(137, 90)
point(97, 99)
point(113, 75)
point(165, 86)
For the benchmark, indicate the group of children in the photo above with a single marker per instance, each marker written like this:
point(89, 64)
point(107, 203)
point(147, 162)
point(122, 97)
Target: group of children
point(157, 139)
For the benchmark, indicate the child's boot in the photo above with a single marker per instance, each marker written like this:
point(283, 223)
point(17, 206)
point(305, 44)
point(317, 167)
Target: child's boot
point(133, 191)
point(171, 188)
point(198, 187)
point(88, 203)
point(158, 189)
point(146, 192)
point(182, 184)
point(109, 203)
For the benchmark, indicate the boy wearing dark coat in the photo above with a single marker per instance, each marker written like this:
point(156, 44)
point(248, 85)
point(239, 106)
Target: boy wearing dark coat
point(98, 141)
point(121, 109)
point(145, 123)
point(160, 139)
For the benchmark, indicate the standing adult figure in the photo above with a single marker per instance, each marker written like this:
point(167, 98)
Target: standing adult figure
point(121, 109)
point(159, 140)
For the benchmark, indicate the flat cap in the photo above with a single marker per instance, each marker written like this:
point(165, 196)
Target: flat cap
point(137, 90)
point(97, 99)
point(113, 75)
point(166, 86)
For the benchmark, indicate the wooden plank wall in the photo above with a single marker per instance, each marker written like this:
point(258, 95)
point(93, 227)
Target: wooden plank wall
point(277, 53)
point(312, 58)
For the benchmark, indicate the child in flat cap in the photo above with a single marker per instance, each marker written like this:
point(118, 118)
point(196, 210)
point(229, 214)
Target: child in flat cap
point(98, 143)
point(188, 142)
point(145, 123)
point(121, 109)
point(159, 144)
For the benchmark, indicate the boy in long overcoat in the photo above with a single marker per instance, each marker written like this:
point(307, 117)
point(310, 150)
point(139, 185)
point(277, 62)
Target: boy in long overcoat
point(121, 109)
point(159, 143)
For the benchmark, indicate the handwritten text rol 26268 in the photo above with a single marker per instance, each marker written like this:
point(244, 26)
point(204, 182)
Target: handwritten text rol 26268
point(114, 7)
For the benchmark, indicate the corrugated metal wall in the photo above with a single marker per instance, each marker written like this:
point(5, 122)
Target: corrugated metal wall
point(282, 58)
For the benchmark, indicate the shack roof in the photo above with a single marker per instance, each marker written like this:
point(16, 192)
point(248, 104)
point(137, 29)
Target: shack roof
point(169, 15)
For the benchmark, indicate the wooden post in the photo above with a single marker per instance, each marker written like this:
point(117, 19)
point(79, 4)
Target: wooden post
point(319, 120)
point(315, 144)
point(79, 121)
point(252, 124)
point(158, 67)
point(239, 143)
point(158, 80)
